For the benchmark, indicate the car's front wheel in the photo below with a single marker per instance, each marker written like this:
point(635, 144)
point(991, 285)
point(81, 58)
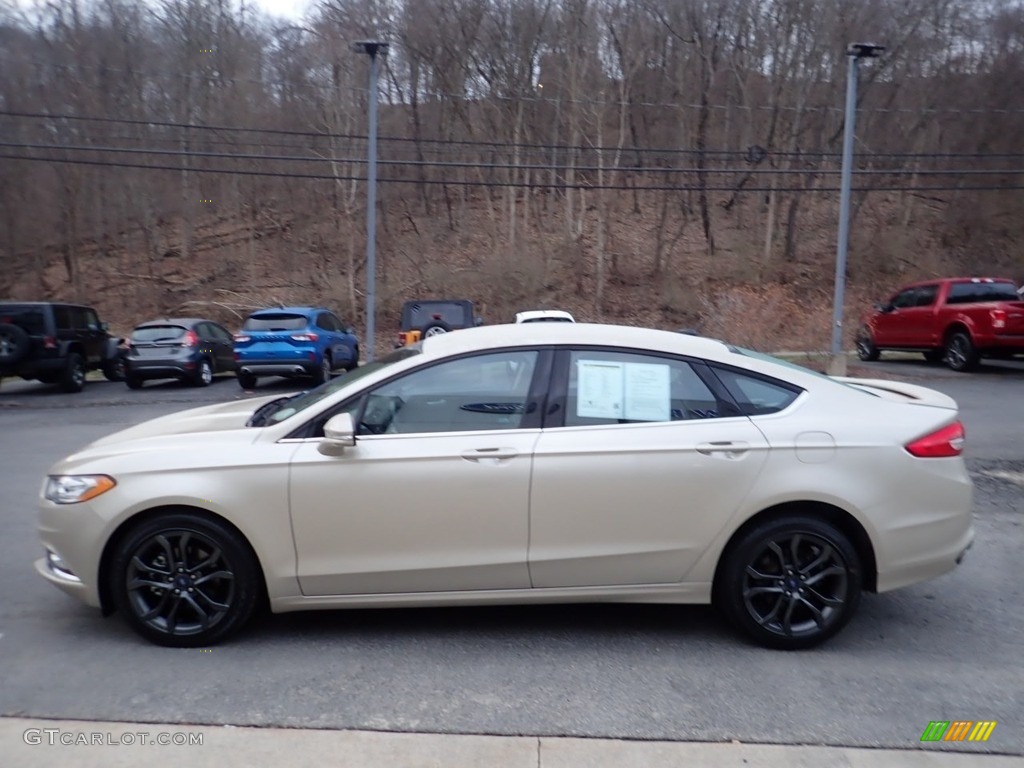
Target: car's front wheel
point(866, 349)
point(184, 580)
point(790, 583)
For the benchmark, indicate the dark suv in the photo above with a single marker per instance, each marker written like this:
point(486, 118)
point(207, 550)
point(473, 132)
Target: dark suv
point(430, 317)
point(56, 343)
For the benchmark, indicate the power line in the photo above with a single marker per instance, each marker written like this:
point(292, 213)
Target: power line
point(526, 185)
point(799, 154)
point(520, 166)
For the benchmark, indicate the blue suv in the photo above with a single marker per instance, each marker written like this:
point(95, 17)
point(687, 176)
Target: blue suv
point(293, 341)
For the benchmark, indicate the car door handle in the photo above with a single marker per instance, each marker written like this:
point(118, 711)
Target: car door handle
point(476, 454)
point(727, 448)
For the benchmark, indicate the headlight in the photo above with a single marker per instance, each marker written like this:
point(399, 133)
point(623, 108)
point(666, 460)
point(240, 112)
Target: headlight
point(72, 489)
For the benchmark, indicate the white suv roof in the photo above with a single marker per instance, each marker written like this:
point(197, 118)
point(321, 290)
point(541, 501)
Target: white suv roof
point(544, 316)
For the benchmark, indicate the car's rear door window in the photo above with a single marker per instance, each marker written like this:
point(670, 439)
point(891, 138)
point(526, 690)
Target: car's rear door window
point(609, 387)
point(757, 395)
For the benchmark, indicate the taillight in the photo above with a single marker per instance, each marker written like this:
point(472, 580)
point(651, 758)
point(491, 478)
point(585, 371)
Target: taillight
point(945, 442)
point(401, 339)
point(49, 342)
point(241, 338)
point(190, 340)
point(305, 336)
point(998, 318)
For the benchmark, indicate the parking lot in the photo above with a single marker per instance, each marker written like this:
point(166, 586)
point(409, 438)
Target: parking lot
point(944, 650)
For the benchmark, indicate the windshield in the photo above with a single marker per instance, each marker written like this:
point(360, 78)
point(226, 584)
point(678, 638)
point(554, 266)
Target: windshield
point(289, 406)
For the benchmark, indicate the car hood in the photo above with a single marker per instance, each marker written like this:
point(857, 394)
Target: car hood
point(163, 431)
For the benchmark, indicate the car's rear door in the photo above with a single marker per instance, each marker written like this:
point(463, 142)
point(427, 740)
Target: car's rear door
point(647, 466)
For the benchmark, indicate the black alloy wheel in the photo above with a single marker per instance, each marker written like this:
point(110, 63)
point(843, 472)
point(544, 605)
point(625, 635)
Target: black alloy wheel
point(960, 352)
point(791, 583)
point(185, 581)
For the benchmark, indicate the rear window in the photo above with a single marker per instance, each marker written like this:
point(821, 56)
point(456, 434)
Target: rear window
point(548, 320)
point(31, 319)
point(971, 293)
point(419, 315)
point(282, 321)
point(158, 333)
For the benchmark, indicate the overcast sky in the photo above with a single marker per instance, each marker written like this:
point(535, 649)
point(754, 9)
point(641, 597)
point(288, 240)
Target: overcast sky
point(291, 9)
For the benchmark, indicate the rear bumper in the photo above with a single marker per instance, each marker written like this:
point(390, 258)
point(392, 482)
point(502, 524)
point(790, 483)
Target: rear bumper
point(277, 368)
point(160, 369)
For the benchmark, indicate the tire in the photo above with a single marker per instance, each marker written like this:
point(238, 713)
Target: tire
point(934, 355)
point(960, 352)
point(435, 328)
point(133, 382)
point(14, 343)
point(204, 374)
point(183, 580)
point(246, 380)
point(790, 583)
point(72, 378)
point(355, 360)
point(323, 373)
point(866, 349)
point(113, 370)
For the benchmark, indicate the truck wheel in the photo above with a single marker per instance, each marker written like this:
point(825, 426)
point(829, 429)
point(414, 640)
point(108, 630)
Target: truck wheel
point(72, 379)
point(960, 352)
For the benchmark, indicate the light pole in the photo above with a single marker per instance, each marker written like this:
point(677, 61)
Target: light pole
point(373, 49)
point(855, 52)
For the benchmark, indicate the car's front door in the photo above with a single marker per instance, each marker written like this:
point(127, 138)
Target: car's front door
point(650, 465)
point(890, 328)
point(434, 495)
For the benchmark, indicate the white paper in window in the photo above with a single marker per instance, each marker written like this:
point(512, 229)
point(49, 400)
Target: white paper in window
point(599, 389)
point(648, 392)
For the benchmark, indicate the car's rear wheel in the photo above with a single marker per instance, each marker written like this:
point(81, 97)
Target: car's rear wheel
point(185, 581)
point(790, 583)
point(204, 374)
point(960, 352)
point(133, 381)
point(323, 372)
point(435, 328)
point(72, 378)
point(113, 370)
point(866, 349)
point(246, 380)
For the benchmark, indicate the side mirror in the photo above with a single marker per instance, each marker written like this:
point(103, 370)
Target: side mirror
point(104, 326)
point(884, 308)
point(339, 434)
point(350, 331)
point(478, 321)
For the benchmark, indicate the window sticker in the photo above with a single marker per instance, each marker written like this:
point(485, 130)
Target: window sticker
point(648, 392)
point(599, 389)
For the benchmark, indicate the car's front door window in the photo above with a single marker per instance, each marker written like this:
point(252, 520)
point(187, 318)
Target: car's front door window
point(482, 392)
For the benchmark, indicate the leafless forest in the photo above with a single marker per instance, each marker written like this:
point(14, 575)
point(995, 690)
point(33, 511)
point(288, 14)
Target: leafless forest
point(667, 162)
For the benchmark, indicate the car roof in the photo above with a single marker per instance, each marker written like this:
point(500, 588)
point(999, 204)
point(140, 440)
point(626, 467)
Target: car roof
point(186, 321)
point(292, 310)
point(535, 314)
point(514, 334)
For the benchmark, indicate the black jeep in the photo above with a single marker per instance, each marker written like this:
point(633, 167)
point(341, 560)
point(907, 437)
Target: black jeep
point(56, 343)
point(429, 317)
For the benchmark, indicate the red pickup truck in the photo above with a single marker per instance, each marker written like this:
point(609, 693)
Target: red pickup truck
point(956, 320)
